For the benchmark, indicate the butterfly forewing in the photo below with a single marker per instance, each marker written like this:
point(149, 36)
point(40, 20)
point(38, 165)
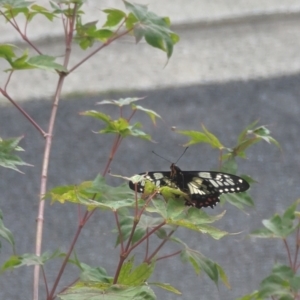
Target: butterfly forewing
point(202, 187)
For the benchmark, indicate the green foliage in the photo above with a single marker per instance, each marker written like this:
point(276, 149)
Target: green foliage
point(5, 233)
point(279, 226)
point(7, 157)
point(122, 125)
point(283, 283)
point(99, 292)
point(29, 259)
point(94, 194)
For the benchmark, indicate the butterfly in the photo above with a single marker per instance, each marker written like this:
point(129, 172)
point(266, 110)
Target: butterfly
point(203, 188)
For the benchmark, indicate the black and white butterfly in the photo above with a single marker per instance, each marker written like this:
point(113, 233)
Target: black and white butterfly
point(203, 188)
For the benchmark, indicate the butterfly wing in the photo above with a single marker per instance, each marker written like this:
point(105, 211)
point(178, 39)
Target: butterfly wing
point(159, 179)
point(205, 187)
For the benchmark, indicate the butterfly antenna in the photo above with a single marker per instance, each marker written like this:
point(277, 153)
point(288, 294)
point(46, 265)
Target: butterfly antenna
point(181, 155)
point(161, 157)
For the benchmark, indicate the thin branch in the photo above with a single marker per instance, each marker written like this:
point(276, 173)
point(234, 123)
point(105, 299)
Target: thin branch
point(288, 252)
point(45, 281)
point(23, 112)
point(44, 177)
point(131, 235)
point(169, 255)
point(66, 287)
point(120, 264)
point(113, 151)
point(120, 231)
point(8, 80)
point(13, 24)
point(147, 245)
point(160, 246)
point(145, 237)
point(62, 268)
point(108, 42)
point(297, 247)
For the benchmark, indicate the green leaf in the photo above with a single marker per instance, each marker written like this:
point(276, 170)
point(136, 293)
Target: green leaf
point(197, 137)
point(229, 166)
point(151, 113)
point(200, 263)
point(40, 10)
point(105, 196)
point(7, 158)
point(120, 126)
point(175, 213)
point(155, 29)
point(121, 102)
point(239, 200)
point(135, 276)
point(29, 259)
point(6, 233)
point(114, 17)
point(277, 226)
point(94, 274)
point(166, 286)
point(46, 62)
point(278, 283)
point(7, 52)
point(114, 292)
point(14, 7)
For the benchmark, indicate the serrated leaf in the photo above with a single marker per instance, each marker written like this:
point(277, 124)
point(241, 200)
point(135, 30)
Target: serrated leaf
point(5, 233)
point(278, 283)
point(46, 62)
point(197, 137)
point(26, 259)
point(7, 51)
point(239, 200)
point(135, 276)
point(151, 113)
point(114, 17)
point(94, 274)
point(166, 286)
point(175, 213)
point(120, 126)
point(153, 28)
point(114, 292)
point(277, 226)
point(121, 102)
point(201, 263)
point(7, 158)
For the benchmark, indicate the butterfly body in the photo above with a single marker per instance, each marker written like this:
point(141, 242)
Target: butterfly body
point(203, 188)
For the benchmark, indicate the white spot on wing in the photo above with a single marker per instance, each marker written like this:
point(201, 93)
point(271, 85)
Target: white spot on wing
point(214, 183)
point(158, 175)
point(204, 174)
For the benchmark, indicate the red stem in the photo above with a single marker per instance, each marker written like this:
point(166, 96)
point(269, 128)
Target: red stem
point(108, 42)
point(62, 268)
point(23, 112)
point(169, 255)
point(288, 252)
point(120, 231)
point(160, 246)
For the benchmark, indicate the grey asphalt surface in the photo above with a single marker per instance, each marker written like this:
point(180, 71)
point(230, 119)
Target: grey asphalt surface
point(78, 154)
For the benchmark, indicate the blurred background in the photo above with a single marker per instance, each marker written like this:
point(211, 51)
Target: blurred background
point(236, 62)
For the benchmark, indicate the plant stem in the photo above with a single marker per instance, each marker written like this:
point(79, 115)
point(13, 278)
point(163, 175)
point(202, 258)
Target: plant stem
point(62, 268)
point(160, 246)
point(44, 176)
point(23, 112)
point(169, 255)
point(288, 252)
